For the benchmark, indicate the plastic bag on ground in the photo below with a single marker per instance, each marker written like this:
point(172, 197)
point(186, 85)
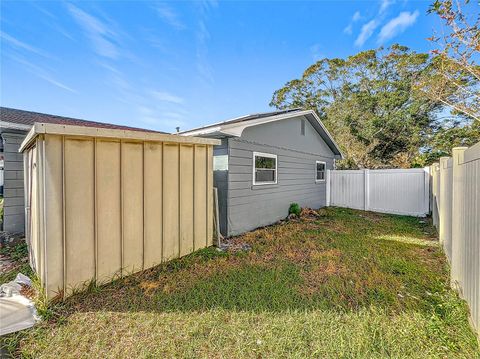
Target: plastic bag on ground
point(17, 312)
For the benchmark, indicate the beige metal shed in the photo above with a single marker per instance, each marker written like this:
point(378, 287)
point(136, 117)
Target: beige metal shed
point(101, 203)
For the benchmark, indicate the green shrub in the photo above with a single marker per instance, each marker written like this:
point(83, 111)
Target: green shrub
point(295, 209)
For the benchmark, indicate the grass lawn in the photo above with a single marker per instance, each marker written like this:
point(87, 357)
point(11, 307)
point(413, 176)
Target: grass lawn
point(347, 284)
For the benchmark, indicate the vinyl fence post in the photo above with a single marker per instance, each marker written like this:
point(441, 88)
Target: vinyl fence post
point(457, 218)
point(328, 189)
point(443, 203)
point(427, 190)
point(366, 174)
point(435, 194)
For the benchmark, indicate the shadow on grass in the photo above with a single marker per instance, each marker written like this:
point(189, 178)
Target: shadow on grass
point(346, 260)
point(345, 277)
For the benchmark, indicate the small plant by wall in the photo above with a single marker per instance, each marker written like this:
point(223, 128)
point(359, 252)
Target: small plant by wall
point(295, 209)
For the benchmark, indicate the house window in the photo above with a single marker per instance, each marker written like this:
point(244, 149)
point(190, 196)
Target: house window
point(264, 168)
point(302, 127)
point(320, 168)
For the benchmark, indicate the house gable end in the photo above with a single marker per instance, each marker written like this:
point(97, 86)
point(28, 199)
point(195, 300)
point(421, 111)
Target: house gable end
point(288, 134)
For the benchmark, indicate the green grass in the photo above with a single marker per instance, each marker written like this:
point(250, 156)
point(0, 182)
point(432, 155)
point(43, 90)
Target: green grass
point(19, 255)
point(348, 284)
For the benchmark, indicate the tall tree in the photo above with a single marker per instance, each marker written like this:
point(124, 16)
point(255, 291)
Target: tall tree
point(370, 104)
point(457, 52)
point(455, 77)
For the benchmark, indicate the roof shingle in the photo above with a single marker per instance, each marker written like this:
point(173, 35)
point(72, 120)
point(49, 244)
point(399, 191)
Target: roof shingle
point(28, 118)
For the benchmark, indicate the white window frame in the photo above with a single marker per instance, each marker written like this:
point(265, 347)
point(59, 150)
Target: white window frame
point(269, 155)
point(324, 171)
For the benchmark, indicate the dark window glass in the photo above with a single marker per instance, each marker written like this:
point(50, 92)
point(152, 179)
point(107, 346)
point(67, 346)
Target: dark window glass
point(302, 127)
point(265, 176)
point(265, 169)
point(320, 171)
point(264, 162)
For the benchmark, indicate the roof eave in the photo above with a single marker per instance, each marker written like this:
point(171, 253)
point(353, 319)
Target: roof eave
point(56, 129)
point(333, 145)
point(14, 126)
point(236, 129)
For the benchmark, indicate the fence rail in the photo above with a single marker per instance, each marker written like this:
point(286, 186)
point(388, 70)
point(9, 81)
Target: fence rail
point(397, 191)
point(456, 214)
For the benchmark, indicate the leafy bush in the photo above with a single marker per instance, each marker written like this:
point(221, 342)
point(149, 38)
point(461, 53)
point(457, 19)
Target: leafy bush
point(294, 209)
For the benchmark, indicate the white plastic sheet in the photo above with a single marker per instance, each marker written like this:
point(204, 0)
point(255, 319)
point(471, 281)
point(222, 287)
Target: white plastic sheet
point(16, 311)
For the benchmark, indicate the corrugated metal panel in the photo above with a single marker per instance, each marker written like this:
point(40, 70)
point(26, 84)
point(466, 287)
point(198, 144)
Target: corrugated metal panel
point(101, 207)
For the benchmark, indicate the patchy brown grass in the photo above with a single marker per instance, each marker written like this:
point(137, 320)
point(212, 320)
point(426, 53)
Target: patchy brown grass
point(336, 283)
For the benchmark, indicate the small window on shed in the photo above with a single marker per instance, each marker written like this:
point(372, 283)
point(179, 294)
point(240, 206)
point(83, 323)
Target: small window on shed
point(320, 168)
point(302, 127)
point(264, 168)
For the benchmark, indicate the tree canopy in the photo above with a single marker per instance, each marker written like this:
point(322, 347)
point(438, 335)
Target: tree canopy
point(457, 51)
point(375, 105)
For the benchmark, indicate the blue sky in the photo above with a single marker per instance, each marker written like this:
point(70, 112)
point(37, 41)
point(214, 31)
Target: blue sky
point(165, 64)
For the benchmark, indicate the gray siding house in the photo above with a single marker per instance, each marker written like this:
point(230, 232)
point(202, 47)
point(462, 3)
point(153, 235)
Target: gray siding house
point(14, 126)
point(266, 162)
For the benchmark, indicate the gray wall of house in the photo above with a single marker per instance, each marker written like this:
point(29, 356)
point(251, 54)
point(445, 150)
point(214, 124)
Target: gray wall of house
point(220, 180)
point(14, 210)
point(250, 206)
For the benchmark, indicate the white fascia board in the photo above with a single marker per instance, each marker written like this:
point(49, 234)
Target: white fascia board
point(205, 131)
point(14, 126)
point(236, 129)
point(326, 131)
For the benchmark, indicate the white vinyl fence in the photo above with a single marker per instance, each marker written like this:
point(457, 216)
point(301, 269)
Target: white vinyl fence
point(456, 214)
point(397, 191)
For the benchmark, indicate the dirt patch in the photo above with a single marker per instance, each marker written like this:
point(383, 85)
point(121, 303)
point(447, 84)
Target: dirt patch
point(311, 214)
point(315, 277)
point(185, 278)
point(149, 287)
point(430, 256)
point(371, 216)
point(6, 264)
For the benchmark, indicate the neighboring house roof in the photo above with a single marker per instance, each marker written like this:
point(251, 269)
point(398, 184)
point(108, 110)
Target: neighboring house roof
point(23, 120)
point(235, 127)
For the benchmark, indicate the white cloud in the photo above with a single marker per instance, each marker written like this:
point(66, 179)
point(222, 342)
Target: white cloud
point(54, 82)
point(101, 35)
point(348, 30)
point(168, 15)
point(41, 73)
point(384, 5)
point(357, 16)
point(205, 71)
point(168, 120)
point(366, 32)
point(397, 25)
point(22, 45)
point(167, 97)
point(316, 52)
